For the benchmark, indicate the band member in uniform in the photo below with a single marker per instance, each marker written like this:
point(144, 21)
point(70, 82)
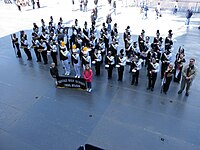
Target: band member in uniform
point(43, 50)
point(135, 69)
point(113, 47)
point(76, 26)
point(102, 29)
point(79, 41)
point(136, 50)
point(44, 36)
point(66, 61)
point(125, 36)
point(16, 45)
point(153, 69)
point(24, 45)
point(114, 31)
point(101, 46)
point(178, 66)
point(97, 61)
point(86, 59)
point(143, 54)
point(54, 72)
point(35, 46)
point(73, 38)
point(151, 54)
point(166, 59)
point(86, 33)
point(121, 62)
point(188, 75)
point(106, 39)
point(168, 40)
point(43, 27)
point(76, 63)
point(141, 41)
point(167, 78)
point(54, 52)
point(128, 45)
point(110, 61)
point(35, 27)
point(156, 39)
point(129, 61)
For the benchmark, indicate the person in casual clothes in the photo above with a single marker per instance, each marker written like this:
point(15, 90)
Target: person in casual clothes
point(18, 3)
point(54, 72)
point(135, 69)
point(38, 3)
point(188, 75)
point(189, 14)
point(145, 11)
point(87, 74)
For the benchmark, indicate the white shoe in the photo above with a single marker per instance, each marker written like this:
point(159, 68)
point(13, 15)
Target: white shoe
point(90, 90)
point(87, 90)
point(75, 76)
point(78, 76)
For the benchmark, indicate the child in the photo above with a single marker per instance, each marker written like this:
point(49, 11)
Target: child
point(87, 74)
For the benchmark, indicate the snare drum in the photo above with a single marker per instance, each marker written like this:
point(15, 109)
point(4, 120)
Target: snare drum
point(134, 70)
point(106, 66)
point(48, 53)
point(94, 62)
point(128, 62)
point(117, 66)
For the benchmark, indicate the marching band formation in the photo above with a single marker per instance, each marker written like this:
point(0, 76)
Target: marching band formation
point(77, 47)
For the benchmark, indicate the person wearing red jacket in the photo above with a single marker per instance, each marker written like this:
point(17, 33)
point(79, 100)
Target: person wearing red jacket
point(87, 74)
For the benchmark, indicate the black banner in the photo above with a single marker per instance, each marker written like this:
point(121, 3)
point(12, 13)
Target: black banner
point(71, 82)
point(89, 147)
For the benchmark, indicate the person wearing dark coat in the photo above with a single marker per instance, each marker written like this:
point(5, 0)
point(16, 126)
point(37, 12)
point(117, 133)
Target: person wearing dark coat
point(54, 72)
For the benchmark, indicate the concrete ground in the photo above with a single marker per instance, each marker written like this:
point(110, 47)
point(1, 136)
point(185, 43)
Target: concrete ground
point(34, 115)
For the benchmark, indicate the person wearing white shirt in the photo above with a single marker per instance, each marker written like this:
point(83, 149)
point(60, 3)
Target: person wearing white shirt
point(54, 52)
point(26, 49)
point(66, 61)
point(86, 59)
point(135, 69)
point(110, 61)
point(97, 59)
point(121, 63)
point(43, 49)
point(152, 74)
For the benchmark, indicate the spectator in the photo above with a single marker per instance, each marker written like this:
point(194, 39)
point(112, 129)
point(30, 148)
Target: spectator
point(189, 14)
point(188, 75)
